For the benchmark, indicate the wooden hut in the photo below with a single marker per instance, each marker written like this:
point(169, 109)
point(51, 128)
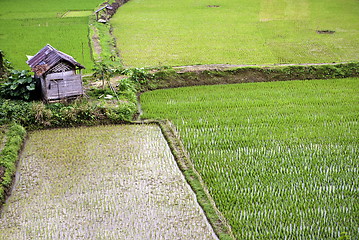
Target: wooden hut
point(59, 74)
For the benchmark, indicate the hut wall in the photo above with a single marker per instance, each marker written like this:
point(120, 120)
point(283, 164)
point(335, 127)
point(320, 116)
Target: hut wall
point(63, 85)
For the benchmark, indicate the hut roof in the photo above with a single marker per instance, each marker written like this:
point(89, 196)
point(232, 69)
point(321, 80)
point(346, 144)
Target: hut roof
point(102, 8)
point(47, 57)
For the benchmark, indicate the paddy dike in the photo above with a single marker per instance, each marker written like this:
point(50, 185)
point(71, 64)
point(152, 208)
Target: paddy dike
point(215, 74)
point(103, 182)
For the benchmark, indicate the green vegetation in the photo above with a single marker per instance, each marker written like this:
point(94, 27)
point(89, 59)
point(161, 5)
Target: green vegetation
point(216, 219)
point(35, 115)
point(26, 27)
point(19, 85)
point(174, 33)
point(77, 14)
point(170, 77)
point(280, 159)
point(8, 157)
point(108, 104)
point(103, 43)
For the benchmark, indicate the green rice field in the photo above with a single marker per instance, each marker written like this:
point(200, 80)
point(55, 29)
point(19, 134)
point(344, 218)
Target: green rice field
point(176, 33)
point(27, 26)
point(280, 159)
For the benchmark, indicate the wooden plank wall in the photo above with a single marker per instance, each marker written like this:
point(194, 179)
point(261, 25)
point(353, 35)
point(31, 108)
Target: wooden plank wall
point(63, 86)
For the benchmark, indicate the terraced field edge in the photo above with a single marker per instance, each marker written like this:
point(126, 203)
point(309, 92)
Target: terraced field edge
point(9, 155)
point(169, 77)
point(214, 216)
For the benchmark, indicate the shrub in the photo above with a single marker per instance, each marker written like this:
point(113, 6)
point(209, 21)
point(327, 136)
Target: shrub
point(138, 75)
point(126, 84)
point(15, 110)
point(35, 115)
point(120, 112)
point(20, 85)
point(40, 113)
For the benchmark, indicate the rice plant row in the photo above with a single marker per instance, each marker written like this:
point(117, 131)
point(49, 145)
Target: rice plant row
point(154, 33)
point(280, 159)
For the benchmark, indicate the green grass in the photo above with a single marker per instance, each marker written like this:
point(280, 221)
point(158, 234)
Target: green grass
point(158, 32)
point(26, 27)
point(280, 159)
point(77, 14)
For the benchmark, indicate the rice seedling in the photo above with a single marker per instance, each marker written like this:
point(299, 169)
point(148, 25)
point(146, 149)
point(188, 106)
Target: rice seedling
point(280, 159)
point(105, 182)
point(156, 32)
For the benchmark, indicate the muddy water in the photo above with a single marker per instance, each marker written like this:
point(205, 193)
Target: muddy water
point(106, 182)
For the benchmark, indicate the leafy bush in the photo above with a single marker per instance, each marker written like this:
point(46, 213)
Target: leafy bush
point(138, 75)
point(15, 110)
point(120, 112)
point(20, 85)
point(126, 84)
point(35, 115)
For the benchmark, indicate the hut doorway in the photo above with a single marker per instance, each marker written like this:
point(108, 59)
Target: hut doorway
point(54, 87)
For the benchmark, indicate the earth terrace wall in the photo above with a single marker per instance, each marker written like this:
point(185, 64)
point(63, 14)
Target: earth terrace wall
point(173, 78)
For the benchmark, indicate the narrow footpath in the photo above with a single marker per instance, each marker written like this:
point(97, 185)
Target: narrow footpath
point(103, 182)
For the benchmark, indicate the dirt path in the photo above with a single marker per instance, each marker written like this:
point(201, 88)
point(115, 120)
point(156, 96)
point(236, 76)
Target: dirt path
point(105, 182)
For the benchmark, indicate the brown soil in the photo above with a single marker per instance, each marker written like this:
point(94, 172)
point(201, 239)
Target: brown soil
point(96, 43)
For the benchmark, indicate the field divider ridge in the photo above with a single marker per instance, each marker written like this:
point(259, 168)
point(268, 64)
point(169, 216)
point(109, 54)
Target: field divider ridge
point(193, 178)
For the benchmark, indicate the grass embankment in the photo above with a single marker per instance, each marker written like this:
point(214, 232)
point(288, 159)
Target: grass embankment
point(9, 153)
point(177, 77)
point(26, 27)
point(175, 33)
point(214, 216)
point(37, 115)
point(280, 159)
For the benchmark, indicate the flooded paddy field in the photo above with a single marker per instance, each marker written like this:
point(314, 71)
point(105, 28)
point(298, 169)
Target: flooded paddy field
point(104, 182)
